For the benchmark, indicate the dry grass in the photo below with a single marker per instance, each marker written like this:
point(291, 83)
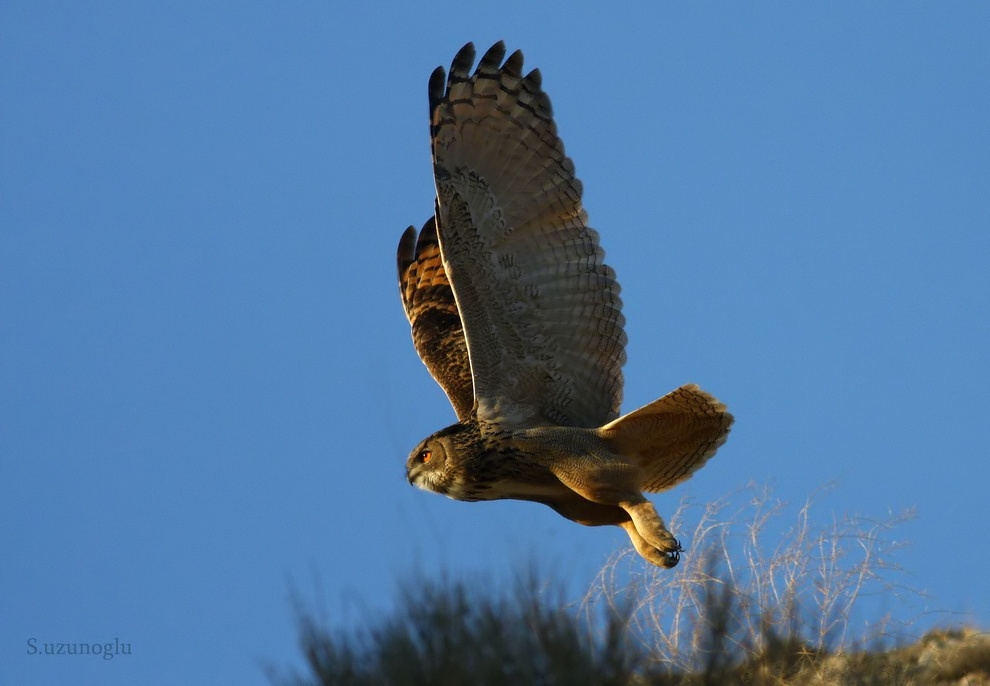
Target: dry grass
point(752, 603)
point(744, 595)
point(445, 634)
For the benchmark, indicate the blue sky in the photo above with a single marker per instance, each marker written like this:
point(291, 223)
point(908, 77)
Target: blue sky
point(207, 387)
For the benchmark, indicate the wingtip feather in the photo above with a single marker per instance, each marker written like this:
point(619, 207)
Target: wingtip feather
point(492, 59)
point(460, 66)
point(406, 253)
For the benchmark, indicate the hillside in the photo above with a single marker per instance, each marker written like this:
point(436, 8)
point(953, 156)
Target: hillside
point(743, 609)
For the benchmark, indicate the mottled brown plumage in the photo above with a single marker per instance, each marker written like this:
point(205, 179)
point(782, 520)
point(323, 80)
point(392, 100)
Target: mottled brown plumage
point(432, 312)
point(518, 318)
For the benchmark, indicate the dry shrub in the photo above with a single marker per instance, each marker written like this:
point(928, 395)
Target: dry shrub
point(752, 602)
point(743, 601)
point(451, 633)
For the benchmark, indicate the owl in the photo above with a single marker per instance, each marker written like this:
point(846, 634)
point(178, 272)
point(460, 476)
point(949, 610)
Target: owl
point(518, 318)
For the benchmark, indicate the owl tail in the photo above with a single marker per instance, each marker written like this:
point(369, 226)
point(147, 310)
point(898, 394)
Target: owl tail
point(672, 437)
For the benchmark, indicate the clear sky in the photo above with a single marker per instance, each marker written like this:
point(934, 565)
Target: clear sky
point(207, 386)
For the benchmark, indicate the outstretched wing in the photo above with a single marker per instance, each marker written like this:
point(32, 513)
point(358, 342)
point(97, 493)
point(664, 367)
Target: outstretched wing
point(540, 309)
point(432, 313)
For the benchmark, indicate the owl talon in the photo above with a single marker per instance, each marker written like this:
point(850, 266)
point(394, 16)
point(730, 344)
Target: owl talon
point(671, 558)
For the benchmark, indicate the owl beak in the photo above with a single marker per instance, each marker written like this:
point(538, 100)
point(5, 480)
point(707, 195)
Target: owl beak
point(414, 475)
point(420, 478)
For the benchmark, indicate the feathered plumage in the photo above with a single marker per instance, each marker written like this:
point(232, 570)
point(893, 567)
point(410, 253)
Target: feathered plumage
point(518, 318)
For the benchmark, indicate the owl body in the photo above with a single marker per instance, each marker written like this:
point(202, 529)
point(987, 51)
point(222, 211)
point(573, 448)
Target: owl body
point(518, 318)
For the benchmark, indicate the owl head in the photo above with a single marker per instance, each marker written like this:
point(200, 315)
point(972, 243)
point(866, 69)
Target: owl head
point(436, 464)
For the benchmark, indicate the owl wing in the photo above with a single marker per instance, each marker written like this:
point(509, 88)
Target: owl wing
point(539, 307)
point(432, 313)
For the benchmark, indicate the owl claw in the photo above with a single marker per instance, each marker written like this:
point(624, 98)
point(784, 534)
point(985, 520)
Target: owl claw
point(672, 557)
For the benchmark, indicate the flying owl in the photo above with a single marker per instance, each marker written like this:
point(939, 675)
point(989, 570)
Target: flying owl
point(518, 318)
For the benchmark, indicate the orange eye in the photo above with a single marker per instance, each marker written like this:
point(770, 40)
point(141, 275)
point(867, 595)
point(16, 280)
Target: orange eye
point(425, 456)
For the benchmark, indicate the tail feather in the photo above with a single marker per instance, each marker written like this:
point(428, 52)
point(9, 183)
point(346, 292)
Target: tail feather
point(671, 438)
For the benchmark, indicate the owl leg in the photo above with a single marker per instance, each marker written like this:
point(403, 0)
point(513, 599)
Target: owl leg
point(647, 531)
point(613, 483)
